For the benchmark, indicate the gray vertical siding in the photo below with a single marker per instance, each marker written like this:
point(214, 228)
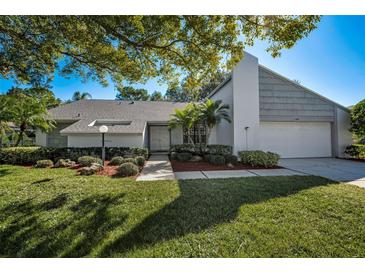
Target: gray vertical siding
point(282, 100)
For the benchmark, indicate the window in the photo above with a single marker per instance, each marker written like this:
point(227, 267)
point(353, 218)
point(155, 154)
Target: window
point(194, 133)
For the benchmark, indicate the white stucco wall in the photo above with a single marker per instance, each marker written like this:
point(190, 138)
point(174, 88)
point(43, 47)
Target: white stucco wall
point(223, 132)
point(246, 104)
point(111, 140)
point(344, 136)
point(40, 138)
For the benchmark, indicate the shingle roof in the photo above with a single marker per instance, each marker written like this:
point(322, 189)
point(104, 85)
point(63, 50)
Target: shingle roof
point(84, 112)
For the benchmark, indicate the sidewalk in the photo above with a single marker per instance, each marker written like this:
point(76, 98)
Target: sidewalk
point(158, 167)
point(187, 175)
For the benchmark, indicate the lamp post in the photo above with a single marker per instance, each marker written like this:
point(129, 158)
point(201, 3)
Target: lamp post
point(103, 129)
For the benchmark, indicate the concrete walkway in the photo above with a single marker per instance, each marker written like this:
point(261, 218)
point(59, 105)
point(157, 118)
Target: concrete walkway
point(340, 170)
point(158, 167)
point(187, 175)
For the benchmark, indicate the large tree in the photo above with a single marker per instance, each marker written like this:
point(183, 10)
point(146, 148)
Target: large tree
point(156, 96)
point(130, 49)
point(358, 121)
point(132, 94)
point(38, 93)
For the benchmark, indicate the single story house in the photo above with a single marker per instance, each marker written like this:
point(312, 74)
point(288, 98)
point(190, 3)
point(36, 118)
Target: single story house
point(269, 112)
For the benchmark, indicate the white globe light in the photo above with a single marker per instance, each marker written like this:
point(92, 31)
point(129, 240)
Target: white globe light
point(103, 129)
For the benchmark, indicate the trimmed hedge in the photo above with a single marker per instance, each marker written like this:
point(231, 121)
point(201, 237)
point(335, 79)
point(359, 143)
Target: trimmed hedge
point(356, 151)
point(217, 159)
point(231, 159)
point(258, 158)
point(140, 160)
point(128, 160)
point(44, 164)
point(184, 156)
point(89, 160)
point(196, 149)
point(127, 169)
point(30, 155)
point(116, 161)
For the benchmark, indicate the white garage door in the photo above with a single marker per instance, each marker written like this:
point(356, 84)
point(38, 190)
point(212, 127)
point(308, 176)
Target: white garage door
point(296, 139)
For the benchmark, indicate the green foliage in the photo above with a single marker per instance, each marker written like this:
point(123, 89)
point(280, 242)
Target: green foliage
point(184, 156)
point(128, 160)
point(356, 151)
point(231, 159)
point(44, 163)
point(156, 96)
point(140, 160)
point(358, 119)
point(186, 118)
point(77, 96)
point(217, 159)
point(137, 48)
point(132, 94)
point(184, 148)
point(29, 155)
point(127, 169)
point(27, 111)
point(219, 149)
point(88, 161)
point(258, 158)
point(38, 93)
point(116, 161)
point(90, 170)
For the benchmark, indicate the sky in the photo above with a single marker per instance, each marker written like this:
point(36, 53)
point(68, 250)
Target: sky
point(330, 61)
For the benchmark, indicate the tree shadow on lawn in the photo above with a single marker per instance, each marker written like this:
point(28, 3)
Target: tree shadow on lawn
point(205, 203)
point(26, 234)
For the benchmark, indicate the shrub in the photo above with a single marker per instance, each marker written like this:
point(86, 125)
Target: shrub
point(89, 160)
point(116, 161)
point(127, 169)
point(356, 151)
point(44, 163)
point(94, 168)
point(173, 155)
point(206, 157)
point(64, 163)
point(184, 156)
point(258, 158)
point(30, 155)
point(217, 159)
point(139, 160)
point(231, 159)
point(128, 160)
point(219, 149)
point(190, 148)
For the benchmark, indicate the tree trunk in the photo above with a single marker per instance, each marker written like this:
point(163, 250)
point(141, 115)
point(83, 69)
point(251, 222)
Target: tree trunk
point(20, 137)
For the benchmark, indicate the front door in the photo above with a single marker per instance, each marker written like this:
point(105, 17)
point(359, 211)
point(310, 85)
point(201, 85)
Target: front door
point(159, 138)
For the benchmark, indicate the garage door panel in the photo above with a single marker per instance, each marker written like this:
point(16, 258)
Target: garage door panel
point(296, 139)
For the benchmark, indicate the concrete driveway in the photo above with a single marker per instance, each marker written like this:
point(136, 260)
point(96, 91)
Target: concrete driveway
point(332, 168)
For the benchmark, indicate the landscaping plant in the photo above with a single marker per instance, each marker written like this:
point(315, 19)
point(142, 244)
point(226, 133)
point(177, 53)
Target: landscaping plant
point(127, 169)
point(258, 158)
point(44, 164)
point(87, 161)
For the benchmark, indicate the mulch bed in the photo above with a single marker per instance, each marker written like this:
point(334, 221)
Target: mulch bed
point(108, 170)
point(178, 166)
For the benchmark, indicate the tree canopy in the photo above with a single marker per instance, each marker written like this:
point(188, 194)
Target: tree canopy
point(132, 94)
point(358, 120)
point(133, 49)
point(39, 93)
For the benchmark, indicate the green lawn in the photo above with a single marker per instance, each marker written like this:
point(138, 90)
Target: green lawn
point(53, 213)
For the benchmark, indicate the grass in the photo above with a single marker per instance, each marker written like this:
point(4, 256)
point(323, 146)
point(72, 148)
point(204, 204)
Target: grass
point(53, 213)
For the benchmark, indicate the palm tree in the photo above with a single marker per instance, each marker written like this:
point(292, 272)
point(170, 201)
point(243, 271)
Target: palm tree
point(81, 96)
point(185, 118)
point(212, 113)
point(29, 112)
